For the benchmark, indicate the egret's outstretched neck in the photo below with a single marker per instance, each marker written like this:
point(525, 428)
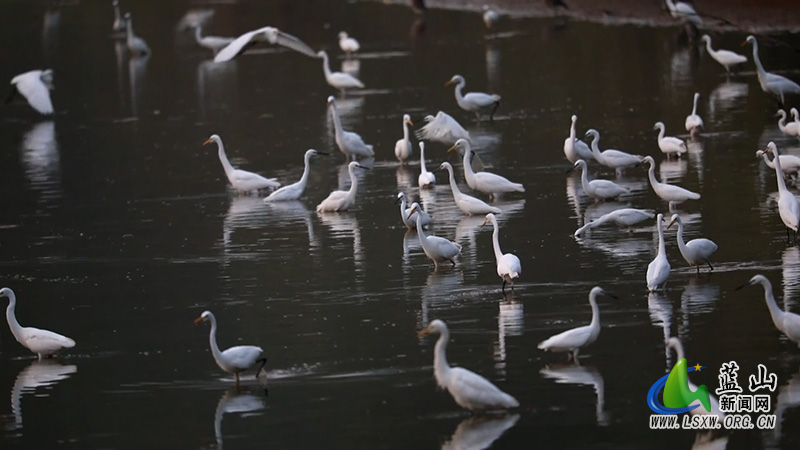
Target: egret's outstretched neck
point(661, 132)
point(405, 131)
point(423, 238)
point(651, 173)
point(708, 47)
point(595, 310)
point(782, 120)
point(306, 169)
point(212, 341)
point(757, 60)
point(596, 146)
point(572, 132)
point(459, 96)
point(670, 5)
point(498, 254)
point(662, 247)
point(584, 179)
point(223, 158)
point(422, 166)
point(129, 29)
point(694, 105)
point(440, 366)
point(778, 172)
point(678, 349)
point(353, 182)
point(325, 65)
point(197, 34)
point(681, 244)
point(16, 328)
point(403, 207)
point(774, 311)
point(453, 185)
point(337, 123)
point(469, 174)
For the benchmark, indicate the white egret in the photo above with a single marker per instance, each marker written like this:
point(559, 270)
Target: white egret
point(402, 149)
point(684, 11)
point(409, 219)
point(508, 266)
point(295, 190)
point(658, 269)
point(474, 101)
point(348, 44)
point(266, 34)
point(625, 217)
point(575, 148)
point(486, 182)
point(490, 17)
point(725, 57)
point(572, 340)
point(437, 249)
point(338, 80)
point(598, 189)
point(614, 159)
point(669, 145)
point(468, 204)
point(348, 142)
point(213, 43)
point(668, 192)
point(792, 128)
point(694, 122)
point(788, 206)
point(241, 180)
point(235, 359)
point(675, 344)
point(136, 45)
point(790, 164)
point(771, 83)
point(442, 128)
point(119, 25)
point(426, 179)
point(786, 322)
point(35, 86)
point(470, 390)
point(343, 200)
point(697, 251)
point(42, 342)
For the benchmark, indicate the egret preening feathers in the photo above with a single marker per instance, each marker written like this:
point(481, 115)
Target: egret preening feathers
point(573, 340)
point(42, 342)
point(241, 180)
point(295, 190)
point(508, 266)
point(474, 101)
point(266, 34)
point(235, 359)
point(470, 390)
point(793, 127)
point(35, 87)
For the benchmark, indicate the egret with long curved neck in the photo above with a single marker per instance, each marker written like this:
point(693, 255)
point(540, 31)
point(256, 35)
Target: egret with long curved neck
point(668, 192)
point(295, 190)
point(42, 342)
point(235, 359)
point(342, 200)
point(788, 206)
point(726, 58)
point(437, 249)
point(786, 322)
point(658, 269)
point(474, 101)
point(241, 180)
point(468, 204)
point(486, 182)
point(574, 148)
point(697, 251)
point(508, 266)
point(426, 179)
point(771, 83)
point(470, 390)
point(573, 340)
point(338, 80)
point(348, 142)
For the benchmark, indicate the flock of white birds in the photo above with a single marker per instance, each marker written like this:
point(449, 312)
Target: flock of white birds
point(470, 391)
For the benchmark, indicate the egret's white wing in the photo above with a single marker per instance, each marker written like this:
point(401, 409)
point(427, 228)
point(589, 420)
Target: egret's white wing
point(245, 177)
point(35, 91)
point(567, 340)
point(270, 34)
point(242, 356)
point(44, 341)
point(293, 43)
point(476, 390)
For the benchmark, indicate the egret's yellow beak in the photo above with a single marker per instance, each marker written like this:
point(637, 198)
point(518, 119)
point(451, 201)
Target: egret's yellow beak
point(744, 43)
point(198, 320)
point(449, 82)
point(451, 148)
point(207, 142)
point(670, 224)
point(413, 210)
point(484, 222)
point(410, 122)
point(424, 332)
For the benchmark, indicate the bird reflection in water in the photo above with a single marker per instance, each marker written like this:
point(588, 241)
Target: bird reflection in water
point(238, 402)
point(698, 297)
point(661, 313)
point(791, 276)
point(725, 99)
point(245, 212)
point(345, 225)
point(42, 161)
point(673, 170)
point(292, 213)
point(405, 177)
point(479, 432)
point(137, 71)
point(569, 373)
point(436, 293)
point(492, 66)
point(39, 375)
point(351, 67)
point(788, 398)
point(510, 322)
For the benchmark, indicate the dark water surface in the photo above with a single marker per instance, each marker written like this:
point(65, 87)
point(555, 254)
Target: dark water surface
point(117, 230)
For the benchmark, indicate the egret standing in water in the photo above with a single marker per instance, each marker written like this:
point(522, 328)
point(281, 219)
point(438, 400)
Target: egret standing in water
point(790, 164)
point(338, 80)
point(348, 44)
point(684, 11)
point(486, 182)
point(668, 192)
point(235, 359)
point(792, 128)
point(771, 83)
point(574, 148)
point(402, 149)
point(693, 121)
point(788, 206)
point(42, 342)
point(348, 142)
point(614, 159)
point(470, 390)
point(35, 87)
point(410, 220)
point(658, 269)
point(474, 101)
point(295, 191)
point(726, 58)
point(786, 322)
point(426, 179)
point(697, 251)
point(573, 340)
point(136, 45)
point(669, 145)
point(598, 189)
point(342, 200)
point(437, 249)
point(241, 180)
point(468, 204)
point(508, 266)
point(490, 17)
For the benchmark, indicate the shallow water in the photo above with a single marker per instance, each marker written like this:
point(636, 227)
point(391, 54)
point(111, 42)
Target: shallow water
point(118, 230)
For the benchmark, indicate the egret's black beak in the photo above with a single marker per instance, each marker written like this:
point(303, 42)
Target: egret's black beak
point(742, 286)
